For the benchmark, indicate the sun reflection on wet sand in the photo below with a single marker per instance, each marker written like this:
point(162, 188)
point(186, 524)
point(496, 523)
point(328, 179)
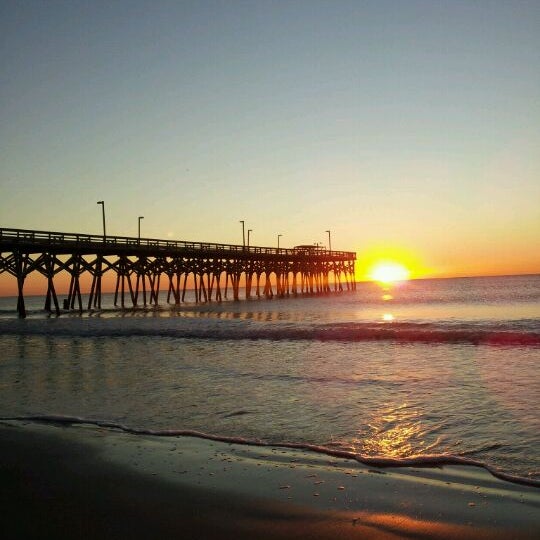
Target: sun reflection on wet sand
point(379, 525)
point(388, 317)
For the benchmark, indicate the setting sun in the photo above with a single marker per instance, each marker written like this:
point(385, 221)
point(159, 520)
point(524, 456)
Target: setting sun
point(389, 272)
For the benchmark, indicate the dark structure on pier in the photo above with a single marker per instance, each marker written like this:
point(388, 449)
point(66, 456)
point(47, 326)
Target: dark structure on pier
point(143, 266)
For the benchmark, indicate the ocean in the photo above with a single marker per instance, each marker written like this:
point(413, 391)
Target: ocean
point(425, 369)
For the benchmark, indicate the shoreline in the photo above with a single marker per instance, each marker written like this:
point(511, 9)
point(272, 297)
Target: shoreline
point(429, 461)
point(103, 482)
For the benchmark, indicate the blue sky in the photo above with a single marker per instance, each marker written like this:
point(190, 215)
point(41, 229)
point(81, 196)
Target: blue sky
point(412, 125)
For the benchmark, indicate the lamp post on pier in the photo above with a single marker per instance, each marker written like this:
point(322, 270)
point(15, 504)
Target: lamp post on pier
point(139, 228)
point(329, 241)
point(103, 216)
point(278, 237)
point(249, 232)
point(243, 232)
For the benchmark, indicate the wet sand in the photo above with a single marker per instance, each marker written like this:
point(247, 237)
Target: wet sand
point(89, 482)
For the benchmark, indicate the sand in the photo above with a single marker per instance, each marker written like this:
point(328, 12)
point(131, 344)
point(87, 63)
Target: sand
point(81, 481)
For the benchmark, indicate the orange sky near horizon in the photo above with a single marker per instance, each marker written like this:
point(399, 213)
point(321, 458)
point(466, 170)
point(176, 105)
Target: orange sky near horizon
point(36, 284)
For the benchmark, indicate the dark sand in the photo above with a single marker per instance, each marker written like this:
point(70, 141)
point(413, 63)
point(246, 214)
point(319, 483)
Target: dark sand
point(88, 482)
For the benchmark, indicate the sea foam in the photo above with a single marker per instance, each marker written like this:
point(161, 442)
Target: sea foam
point(436, 460)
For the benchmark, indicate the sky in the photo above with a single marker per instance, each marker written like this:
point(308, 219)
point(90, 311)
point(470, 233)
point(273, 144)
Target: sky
point(410, 129)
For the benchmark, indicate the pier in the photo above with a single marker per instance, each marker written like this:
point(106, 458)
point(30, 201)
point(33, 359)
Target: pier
point(141, 267)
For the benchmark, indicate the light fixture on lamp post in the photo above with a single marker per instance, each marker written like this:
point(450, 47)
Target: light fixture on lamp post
point(278, 237)
point(329, 241)
point(249, 233)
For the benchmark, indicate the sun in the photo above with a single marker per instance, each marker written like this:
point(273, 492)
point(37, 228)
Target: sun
point(389, 272)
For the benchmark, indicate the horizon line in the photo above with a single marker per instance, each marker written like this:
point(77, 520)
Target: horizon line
point(356, 281)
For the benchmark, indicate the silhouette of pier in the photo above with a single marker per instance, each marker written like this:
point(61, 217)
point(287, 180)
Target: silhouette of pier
point(143, 265)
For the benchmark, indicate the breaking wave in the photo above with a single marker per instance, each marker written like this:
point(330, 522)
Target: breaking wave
point(509, 333)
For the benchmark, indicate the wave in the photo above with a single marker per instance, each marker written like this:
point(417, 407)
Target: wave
point(511, 333)
point(435, 460)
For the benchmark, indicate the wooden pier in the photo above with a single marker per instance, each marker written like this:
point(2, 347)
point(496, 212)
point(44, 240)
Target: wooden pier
point(142, 266)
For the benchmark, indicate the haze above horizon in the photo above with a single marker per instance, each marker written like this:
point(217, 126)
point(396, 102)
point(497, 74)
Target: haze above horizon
point(410, 130)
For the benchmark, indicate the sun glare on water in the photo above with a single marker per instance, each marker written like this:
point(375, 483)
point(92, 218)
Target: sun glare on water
point(389, 272)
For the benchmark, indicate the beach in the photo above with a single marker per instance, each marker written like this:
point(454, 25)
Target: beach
point(267, 270)
point(92, 482)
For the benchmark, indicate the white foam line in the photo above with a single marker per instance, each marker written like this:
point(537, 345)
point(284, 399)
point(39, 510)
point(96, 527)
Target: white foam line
point(415, 461)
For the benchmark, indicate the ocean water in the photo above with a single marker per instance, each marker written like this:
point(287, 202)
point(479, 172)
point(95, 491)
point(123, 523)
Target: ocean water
point(420, 369)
